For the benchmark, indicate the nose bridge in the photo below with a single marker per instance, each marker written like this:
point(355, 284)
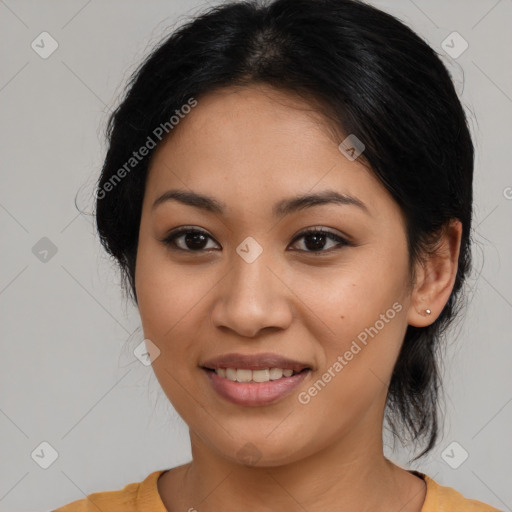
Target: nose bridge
point(251, 296)
point(251, 279)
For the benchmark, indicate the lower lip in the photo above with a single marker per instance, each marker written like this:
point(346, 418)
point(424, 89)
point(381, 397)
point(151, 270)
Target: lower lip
point(255, 393)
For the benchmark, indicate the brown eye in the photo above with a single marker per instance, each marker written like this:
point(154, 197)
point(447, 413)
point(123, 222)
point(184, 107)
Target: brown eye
point(316, 240)
point(187, 239)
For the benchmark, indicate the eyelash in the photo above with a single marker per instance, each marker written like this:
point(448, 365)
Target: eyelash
point(169, 240)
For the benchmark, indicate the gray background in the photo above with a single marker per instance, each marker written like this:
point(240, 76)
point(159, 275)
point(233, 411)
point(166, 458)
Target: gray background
point(68, 374)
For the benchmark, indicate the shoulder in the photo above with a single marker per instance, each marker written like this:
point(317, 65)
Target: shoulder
point(440, 498)
point(133, 497)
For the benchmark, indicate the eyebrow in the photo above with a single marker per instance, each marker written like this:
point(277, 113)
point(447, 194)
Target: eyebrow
point(284, 207)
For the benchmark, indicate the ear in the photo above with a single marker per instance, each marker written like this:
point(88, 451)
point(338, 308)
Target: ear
point(435, 277)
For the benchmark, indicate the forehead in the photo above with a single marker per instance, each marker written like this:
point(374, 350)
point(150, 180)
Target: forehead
point(245, 142)
point(237, 118)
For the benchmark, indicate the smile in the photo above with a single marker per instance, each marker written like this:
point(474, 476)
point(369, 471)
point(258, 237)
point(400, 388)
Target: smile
point(242, 386)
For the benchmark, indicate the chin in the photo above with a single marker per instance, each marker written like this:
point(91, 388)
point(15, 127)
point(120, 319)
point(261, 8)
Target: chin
point(260, 452)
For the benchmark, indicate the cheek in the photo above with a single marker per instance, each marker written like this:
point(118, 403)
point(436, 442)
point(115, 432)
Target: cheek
point(166, 292)
point(351, 297)
point(363, 324)
point(362, 307)
point(168, 299)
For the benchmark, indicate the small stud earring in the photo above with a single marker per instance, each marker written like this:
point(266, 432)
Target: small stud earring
point(428, 311)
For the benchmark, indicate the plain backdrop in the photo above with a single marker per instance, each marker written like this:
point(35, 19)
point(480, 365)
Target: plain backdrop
point(68, 374)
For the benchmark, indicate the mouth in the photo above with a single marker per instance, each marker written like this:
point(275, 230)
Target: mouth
point(254, 380)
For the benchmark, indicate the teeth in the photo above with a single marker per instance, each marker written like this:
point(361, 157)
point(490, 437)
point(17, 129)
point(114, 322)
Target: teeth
point(276, 373)
point(260, 375)
point(230, 374)
point(245, 375)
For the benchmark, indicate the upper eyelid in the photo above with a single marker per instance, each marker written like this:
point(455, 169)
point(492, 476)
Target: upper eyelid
point(321, 229)
point(305, 231)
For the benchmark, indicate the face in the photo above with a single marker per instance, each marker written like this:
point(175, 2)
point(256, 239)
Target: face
point(248, 279)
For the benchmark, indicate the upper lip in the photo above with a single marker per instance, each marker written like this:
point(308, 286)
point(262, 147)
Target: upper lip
point(254, 362)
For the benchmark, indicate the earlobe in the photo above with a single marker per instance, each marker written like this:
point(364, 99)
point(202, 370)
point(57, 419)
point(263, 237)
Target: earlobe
point(435, 277)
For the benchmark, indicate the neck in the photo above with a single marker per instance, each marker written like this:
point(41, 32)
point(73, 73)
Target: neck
point(349, 475)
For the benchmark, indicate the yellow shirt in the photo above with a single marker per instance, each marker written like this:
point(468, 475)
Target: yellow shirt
point(144, 497)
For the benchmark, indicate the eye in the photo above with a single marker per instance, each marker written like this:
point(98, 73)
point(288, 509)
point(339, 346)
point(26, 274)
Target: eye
point(196, 240)
point(188, 239)
point(317, 239)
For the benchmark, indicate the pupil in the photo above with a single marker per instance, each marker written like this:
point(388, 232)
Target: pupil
point(195, 240)
point(318, 241)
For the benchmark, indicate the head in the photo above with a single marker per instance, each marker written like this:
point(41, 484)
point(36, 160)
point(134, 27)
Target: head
point(240, 113)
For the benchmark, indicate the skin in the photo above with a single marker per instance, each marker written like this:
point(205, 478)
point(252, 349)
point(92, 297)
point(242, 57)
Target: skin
point(250, 148)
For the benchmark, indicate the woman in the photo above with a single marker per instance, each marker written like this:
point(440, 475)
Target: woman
point(288, 193)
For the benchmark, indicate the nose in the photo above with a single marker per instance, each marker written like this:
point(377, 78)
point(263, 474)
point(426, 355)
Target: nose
point(252, 297)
